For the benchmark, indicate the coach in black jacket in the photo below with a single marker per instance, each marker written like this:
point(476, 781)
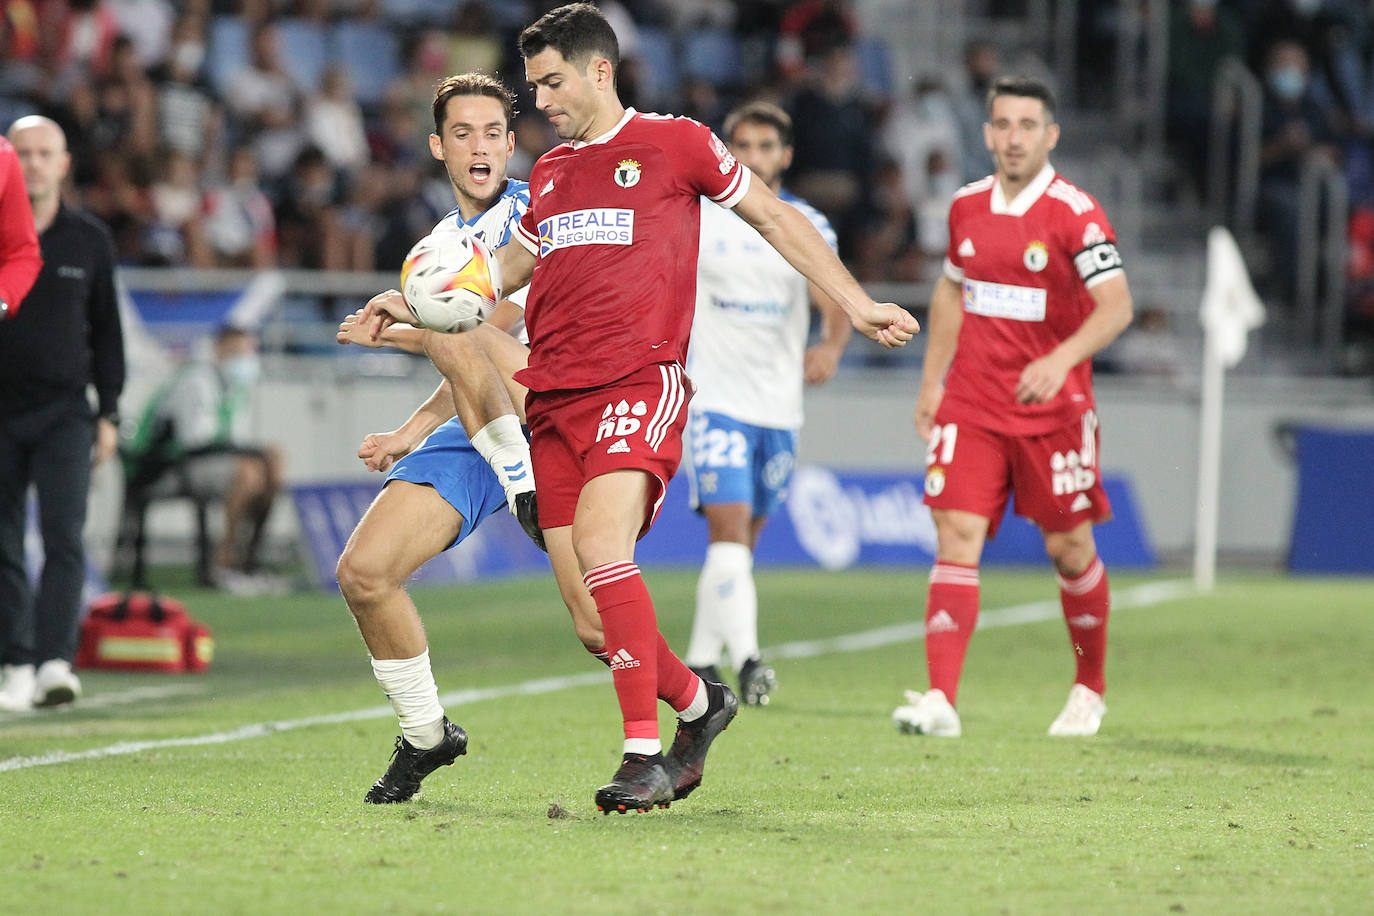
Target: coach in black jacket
point(65, 337)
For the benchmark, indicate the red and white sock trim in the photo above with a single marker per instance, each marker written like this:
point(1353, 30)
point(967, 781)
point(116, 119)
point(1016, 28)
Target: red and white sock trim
point(607, 573)
point(954, 574)
point(1088, 581)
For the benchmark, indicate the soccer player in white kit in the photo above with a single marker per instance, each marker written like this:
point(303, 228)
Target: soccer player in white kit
point(749, 359)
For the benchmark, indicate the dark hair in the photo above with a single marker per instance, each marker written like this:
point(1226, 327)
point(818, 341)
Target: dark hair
point(764, 114)
point(471, 84)
point(576, 31)
point(1023, 87)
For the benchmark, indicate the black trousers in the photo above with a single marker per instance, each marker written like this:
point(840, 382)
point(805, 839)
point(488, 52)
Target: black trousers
point(49, 446)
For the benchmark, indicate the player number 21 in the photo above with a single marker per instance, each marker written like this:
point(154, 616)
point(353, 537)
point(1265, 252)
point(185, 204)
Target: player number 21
point(942, 439)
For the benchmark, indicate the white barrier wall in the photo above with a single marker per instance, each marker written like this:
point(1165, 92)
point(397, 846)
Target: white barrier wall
point(862, 420)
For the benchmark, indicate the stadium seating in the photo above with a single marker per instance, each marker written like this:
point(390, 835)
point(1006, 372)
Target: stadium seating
point(228, 51)
point(369, 52)
point(303, 51)
point(713, 56)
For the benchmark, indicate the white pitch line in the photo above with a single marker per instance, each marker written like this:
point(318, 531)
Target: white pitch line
point(1032, 612)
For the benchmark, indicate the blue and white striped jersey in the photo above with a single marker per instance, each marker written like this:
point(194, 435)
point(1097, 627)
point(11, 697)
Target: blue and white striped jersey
point(752, 317)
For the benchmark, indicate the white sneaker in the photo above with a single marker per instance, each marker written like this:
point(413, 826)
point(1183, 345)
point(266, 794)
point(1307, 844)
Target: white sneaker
point(55, 683)
point(1082, 715)
point(16, 695)
point(929, 713)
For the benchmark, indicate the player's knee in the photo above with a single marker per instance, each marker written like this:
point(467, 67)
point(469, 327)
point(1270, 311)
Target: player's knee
point(362, 582)
point(1071, 554)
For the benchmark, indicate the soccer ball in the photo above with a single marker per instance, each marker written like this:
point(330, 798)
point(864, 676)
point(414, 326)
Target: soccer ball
point(450, 281)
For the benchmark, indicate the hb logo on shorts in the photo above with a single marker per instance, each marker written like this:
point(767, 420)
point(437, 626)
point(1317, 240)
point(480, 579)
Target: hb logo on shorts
point(620, 420)
point(1068, 473)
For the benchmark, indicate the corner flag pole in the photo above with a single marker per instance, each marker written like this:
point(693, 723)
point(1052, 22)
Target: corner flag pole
point(1230, 310)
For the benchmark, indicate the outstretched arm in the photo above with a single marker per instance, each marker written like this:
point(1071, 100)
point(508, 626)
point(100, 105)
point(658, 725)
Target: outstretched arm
point(379, 451)
point(791, 233)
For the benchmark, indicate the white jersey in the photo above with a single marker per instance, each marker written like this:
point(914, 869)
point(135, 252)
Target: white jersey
point(752, 318)
point(494, 226)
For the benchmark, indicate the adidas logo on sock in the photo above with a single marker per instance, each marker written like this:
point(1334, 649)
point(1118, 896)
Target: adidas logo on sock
point(619, 446)
point(1085, 621)
point(623, 659)
point(1081, 502)
point(515, 471)
point(941, 622)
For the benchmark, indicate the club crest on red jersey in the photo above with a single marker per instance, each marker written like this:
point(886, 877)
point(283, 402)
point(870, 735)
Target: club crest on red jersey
point(1036, 257)
point(627, 173)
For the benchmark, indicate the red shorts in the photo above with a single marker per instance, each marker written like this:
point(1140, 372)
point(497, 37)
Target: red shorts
point(634, 422)
point(1055, 476)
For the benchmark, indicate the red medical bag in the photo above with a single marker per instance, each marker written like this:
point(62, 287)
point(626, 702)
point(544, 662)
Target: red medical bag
point(139, 631)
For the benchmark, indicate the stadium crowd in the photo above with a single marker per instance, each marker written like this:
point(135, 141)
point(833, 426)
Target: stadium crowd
point(229, 133)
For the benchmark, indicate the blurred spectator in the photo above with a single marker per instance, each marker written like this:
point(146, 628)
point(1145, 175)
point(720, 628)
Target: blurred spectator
point(189, 118)
point(334, 122)
point(1148, 347)
point(86, 32)
point(810, 30)
point(921, 133)
point(120, 198)
point(1202, 33)
point(360, 217)
point(264, 102)
point(176, 235)
point(1295, 127)
point(982, 65)
point(834, 143)
point(198, 429)
point(473, 43)
point(307, 222)
point(239, 225)
point(148, 25)
point(20, 47)
point(889, 248)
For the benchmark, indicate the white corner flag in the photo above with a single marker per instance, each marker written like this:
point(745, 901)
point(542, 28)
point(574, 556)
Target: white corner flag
point(1230, 307)
point(1230, 310)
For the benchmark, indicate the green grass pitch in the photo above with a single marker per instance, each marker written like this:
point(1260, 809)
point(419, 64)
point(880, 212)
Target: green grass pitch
point(1234, 772)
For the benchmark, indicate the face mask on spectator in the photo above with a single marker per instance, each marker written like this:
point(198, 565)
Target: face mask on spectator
point(1288, 83)
point(242, 371)
point(189, 55)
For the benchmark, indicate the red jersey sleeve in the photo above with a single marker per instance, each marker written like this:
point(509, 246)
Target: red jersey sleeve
point(705, 166)
point(20, 256)
point(1090, 239)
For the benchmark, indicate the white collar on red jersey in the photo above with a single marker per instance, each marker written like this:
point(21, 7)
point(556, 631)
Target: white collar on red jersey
point(1023, 201)
point(609, 135)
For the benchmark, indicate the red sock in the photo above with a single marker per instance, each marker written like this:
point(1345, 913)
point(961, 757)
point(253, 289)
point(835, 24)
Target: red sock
point(951, 615)
point(676, 683)
point(1086, 605)
point(627, 617)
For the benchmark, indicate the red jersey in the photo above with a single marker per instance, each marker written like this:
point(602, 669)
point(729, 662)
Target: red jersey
point(20, 256)
point(615, 225)
point(1026, 266)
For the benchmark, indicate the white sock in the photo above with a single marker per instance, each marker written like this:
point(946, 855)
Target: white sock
point(503, 444)
point(708, 635)
point(726, 592)
point(409, 685)
point(646, 746)
point(700, 703)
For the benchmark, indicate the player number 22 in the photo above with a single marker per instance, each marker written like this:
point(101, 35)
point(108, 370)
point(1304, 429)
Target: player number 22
point(724, 449)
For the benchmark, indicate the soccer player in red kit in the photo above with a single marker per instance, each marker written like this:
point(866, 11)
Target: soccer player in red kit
point(610, 240)
point(20, 257)
point(1033, 286)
